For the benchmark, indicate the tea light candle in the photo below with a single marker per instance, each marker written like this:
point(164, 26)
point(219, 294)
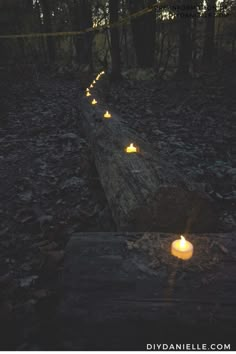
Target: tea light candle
point(182, 248)
point(94, 101)
point(88, 94)
point(131, 148)
point(107, 115)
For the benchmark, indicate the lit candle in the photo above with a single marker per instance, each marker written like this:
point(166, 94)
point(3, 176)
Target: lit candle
point(94, 82)
point(107, 115)
point(131, 148)
point(87, 89)
point(98, 77)
point(88, 94)
point(91, 86)
point(103, 72)
point(94, 101)
point(182, 248)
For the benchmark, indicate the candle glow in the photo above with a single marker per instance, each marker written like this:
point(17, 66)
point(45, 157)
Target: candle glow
point(94, 82)
point(88, 94)
point(107, 115)
point(91, 86)
point(131, 148)
point(182, 248)
point(94, 101)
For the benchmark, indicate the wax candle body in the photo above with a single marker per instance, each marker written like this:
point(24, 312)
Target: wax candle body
point(182, 248)
point(131, 149)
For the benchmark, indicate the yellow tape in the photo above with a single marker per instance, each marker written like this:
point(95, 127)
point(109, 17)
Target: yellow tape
point(77, 33)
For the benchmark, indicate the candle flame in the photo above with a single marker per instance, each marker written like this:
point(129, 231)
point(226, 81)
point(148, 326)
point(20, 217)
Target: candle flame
point(91, 86)
point(182, 241)
point(94, 101)
point(88, 94)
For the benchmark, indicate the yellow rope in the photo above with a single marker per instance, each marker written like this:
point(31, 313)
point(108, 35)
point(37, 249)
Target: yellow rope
point(77, 33)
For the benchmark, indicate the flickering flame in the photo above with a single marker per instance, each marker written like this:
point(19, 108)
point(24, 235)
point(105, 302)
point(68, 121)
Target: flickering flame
point(88, 94)
point(94, 82)
point(131, 148)
point(87, 89)
point(98, 77)
point(91, 86)
point(94, 101)
point(182, 242)
point(107, 115)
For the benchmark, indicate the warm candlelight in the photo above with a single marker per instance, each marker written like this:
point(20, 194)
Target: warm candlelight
point(88, 94)
point(98, 77)
point(87, 89)
point(91, 86)
point(94, 101)
point(107, 115)
point(182, 248)
point(131, 148)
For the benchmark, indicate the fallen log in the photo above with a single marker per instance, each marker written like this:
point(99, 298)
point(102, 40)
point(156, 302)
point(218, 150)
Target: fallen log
point(145, 191)
point(124, 290)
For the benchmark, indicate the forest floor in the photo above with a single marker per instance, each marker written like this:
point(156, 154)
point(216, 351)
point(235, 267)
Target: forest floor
point(50, 189)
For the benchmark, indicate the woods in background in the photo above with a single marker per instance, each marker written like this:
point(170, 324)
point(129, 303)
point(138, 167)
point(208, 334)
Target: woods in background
point(183, 37)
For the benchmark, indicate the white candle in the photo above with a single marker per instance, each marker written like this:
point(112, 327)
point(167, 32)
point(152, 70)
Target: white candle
point(182, 248)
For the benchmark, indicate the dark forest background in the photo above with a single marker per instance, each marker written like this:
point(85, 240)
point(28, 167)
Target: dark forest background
point(184, 37)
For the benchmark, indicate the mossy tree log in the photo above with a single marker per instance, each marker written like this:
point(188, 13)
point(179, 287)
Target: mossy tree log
point(144, 190)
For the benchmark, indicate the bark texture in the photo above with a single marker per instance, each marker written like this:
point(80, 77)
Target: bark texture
point(145, 192)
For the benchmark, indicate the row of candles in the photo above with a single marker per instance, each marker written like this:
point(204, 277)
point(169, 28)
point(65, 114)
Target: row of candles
point(180, 248)
point(129, 149)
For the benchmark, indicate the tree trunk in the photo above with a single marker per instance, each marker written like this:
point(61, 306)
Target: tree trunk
point(115, 45)
point(209, 45)
point(144, 192)
point(46, 9)
point(185, 50)
point(81, 20)
point(144, 33)
point(124, 290)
